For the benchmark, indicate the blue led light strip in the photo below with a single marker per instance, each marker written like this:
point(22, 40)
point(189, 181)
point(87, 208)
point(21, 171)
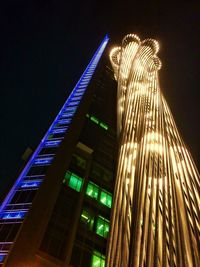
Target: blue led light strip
point(69, 106)
point(10, 215)
point(30, 184)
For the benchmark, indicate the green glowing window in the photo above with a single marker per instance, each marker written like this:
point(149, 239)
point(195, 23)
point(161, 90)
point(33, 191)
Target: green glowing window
point(92, 190)
point(102, 227)
point(98, 260)
point(106, 198)
point(73, 180)
point(103, 125)
point(87, 219)
point(94, 119)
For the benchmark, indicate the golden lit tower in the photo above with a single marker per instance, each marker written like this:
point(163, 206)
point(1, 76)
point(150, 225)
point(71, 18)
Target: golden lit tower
point(155, 217)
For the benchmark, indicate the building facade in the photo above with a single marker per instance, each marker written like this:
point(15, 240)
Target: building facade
point(111, 183)
point(58, 211)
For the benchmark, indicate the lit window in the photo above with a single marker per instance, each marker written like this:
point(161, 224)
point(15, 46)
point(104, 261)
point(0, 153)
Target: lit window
point(87, 219)
point(106, 198)
point(94, 119)
point(73, 180)
point(92, 190)
point(103, 125)
point(98, 260)
point(97, 121)
point(102, 227)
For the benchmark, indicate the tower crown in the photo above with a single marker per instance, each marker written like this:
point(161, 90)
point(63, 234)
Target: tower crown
point(133, 48)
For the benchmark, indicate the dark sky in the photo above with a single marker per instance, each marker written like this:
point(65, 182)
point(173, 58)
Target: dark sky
point(45, 46)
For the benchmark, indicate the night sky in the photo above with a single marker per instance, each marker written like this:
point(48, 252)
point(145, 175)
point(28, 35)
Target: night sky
point(45, 46)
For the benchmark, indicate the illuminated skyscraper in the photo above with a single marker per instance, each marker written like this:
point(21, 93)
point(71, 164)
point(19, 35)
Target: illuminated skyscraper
point(61, 210)
point(155, 218)
point(57, 213)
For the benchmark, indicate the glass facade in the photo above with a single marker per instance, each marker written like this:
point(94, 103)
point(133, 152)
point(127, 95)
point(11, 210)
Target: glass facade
point(93, 190)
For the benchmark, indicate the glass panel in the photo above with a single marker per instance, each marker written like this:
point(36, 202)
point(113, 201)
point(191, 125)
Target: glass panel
point(106, 198)
point(102, 227)
point(73, 181)
point(88, 219)
point(92, 190)
point(98, 260)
